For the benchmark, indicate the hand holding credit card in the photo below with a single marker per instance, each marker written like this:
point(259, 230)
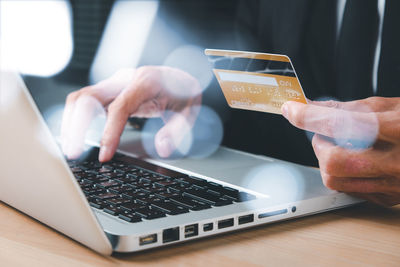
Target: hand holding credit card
point(256, 81)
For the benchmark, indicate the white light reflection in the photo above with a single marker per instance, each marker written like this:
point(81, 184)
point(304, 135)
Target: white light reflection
point(281, 182)
point(124, 37)
point(36, 36)
point(191, 58)
point(207, 133)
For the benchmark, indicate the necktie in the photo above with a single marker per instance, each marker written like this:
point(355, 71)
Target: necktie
point(356, 48)
point(389, 64)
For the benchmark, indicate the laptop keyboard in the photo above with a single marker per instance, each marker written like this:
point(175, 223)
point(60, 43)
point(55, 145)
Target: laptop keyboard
point(133, 190)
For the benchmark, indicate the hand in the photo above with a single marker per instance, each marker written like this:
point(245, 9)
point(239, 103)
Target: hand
point(371, 171)
point(144, 92)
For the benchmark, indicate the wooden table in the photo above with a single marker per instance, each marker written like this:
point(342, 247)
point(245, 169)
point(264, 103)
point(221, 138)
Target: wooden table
point(362, 235)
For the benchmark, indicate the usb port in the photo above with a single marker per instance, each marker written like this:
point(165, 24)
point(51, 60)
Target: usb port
point(225, 223)
point(191, 230)
point(147, 239)
point(246, 219)
point(207, 227)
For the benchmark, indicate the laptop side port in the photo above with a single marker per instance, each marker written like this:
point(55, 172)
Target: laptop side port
point(225, 223)
point(246, 219)
point(170, 234)
point(147, 239)
point(191, 230)
point(208, 227)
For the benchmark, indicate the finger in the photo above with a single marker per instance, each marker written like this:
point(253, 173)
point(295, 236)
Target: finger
point(171, 136)
point(371, 104)
point(118, 114)
point(77, 119)
point(341, 162)
point(331, 122)
point(66, 119)
point(141, 89)
point(385, 200)
point(149, 109)
point(85, 109)
point(359, 185)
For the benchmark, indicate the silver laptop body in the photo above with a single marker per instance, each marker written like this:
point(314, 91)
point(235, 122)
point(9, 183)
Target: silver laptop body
point(37, 180)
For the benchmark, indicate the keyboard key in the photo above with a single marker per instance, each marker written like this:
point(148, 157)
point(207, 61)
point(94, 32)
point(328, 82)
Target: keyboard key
point(133, 206)
point(76, 169)
point(107, 195)
point(165, 183)
point(168, 194)
point(149, 198)
point(192, 180)
point(190, 203)
point(93, 191)
point(150, 214)
point(207, 197)
point(230, 191)
point(129, 217)
point(113, 210)
point(118, 201)
point(180, 187)
point(97, 203)
point(130, 194)
point(132, 176)
point(153, 190)
point(113, 175)
point(123, 180)
point(84, 183)
point(108, 184)
point(214, 192)
point(120, 189)
point(104, 170)
point(169, 207)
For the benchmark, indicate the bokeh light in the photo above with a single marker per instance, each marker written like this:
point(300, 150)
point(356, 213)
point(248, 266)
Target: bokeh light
point(282, 183)
point(191, 59)
point(36, 35)
point(126, 31)
point(207, 133)
point(354, 127)
point(180, 133)
point(196, 141)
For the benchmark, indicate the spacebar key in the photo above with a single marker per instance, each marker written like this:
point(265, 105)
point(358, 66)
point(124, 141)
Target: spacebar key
point(207, 197)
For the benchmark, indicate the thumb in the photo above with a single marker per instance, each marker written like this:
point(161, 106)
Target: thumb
point(175, 135)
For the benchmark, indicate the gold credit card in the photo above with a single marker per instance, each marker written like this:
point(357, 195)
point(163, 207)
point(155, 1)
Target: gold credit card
point(256, 81)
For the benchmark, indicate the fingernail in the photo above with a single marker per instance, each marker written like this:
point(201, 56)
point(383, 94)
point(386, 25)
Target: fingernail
point(285, 110)
point(103, 153)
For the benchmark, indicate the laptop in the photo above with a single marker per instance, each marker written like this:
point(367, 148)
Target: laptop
point(132, 204)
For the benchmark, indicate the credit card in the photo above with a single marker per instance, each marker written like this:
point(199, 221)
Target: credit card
point(256, 81)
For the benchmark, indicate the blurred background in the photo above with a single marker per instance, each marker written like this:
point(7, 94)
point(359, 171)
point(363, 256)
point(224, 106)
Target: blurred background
point(64, 45)
point(60, 46)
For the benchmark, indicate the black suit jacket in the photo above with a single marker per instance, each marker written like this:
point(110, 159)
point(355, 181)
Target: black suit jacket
point(305, 30)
